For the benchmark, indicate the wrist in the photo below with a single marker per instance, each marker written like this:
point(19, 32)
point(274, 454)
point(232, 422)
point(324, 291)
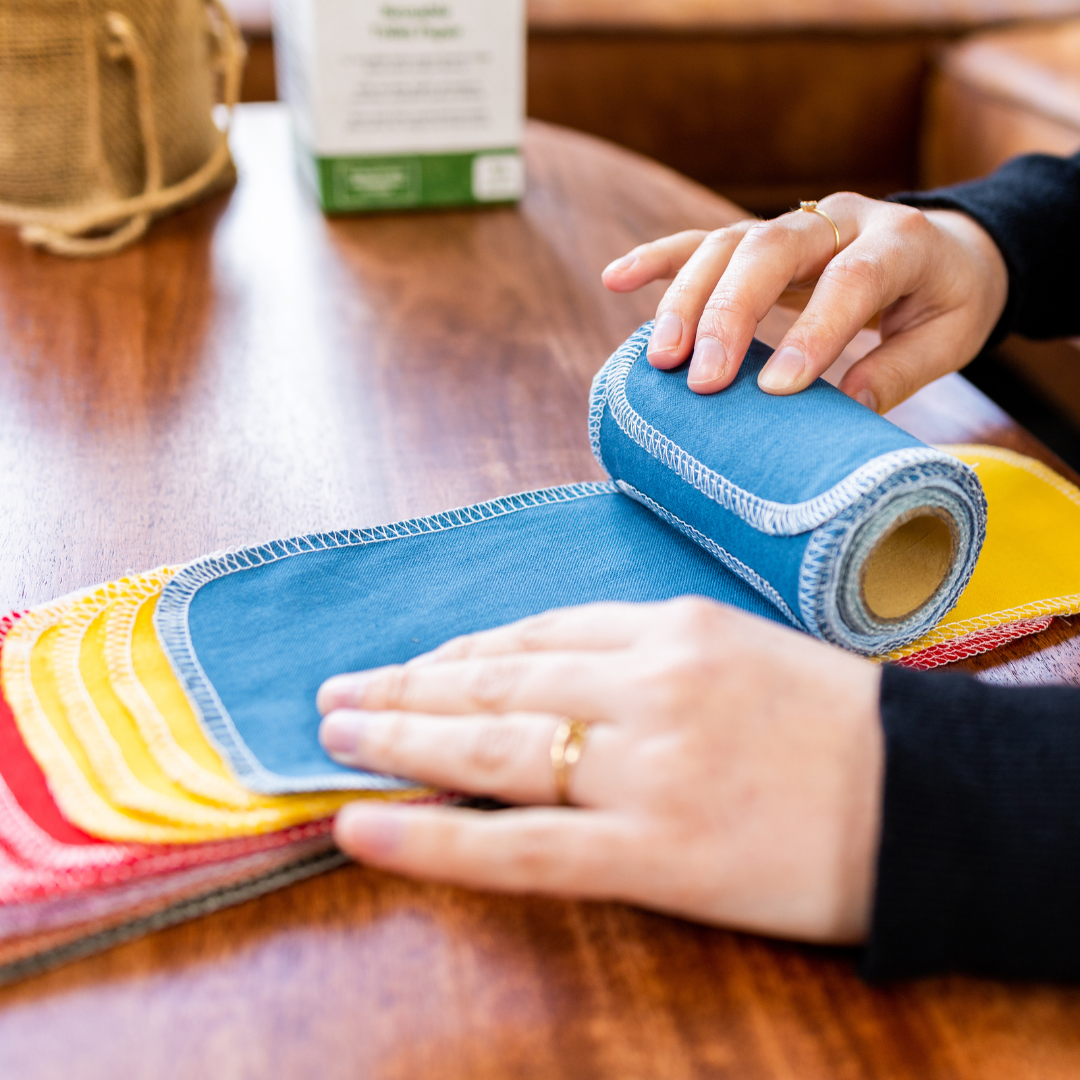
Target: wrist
point(988, 272)
point(860, 811)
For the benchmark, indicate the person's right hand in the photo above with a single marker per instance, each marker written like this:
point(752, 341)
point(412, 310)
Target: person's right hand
point(937, 278)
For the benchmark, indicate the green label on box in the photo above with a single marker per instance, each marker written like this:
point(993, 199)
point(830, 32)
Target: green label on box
point(384, 183)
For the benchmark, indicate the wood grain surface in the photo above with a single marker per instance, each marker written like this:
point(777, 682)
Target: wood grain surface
point(254, 370)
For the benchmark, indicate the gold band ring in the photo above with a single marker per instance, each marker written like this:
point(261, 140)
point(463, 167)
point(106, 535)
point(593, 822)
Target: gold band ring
point(811, 207)
point(566, 746)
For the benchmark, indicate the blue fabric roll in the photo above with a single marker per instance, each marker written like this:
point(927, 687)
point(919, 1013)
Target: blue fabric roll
point(769, 504)
point(792, 493)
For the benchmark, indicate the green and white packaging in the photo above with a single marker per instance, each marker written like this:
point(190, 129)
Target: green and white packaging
point(405, 104)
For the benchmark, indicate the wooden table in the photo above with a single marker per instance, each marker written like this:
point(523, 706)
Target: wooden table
point(255, 371)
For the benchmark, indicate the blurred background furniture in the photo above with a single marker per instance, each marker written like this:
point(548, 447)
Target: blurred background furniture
point(768, 102)
point(990, 97)
point(998, 94)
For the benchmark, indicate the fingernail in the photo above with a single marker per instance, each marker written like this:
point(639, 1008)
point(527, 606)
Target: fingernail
point(369, 831)
point(666, 335)
point(709, 362)
point(867, 398)
point(619, 265)
point(340, 733)
point(783, 369)
point(340, 691)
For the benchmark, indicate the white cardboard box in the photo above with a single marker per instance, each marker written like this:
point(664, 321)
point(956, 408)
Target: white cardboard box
point(405, 104)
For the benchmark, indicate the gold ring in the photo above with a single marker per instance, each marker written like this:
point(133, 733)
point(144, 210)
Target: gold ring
point(566, 746)
point(811, 207)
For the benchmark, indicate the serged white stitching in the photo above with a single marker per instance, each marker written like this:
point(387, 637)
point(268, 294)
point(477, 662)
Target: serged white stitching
point(736, 566)
point(824, 550)
point(171, 623)
point(598, 392)
point(765, 515)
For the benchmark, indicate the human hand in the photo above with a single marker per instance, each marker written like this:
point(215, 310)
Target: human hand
point(732, 771)
point(937, 278)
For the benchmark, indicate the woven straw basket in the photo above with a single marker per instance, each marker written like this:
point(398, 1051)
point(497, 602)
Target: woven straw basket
point(106, 115)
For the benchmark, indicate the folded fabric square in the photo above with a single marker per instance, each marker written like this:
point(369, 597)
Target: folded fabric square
point(99, 768)
point(49, 856)
point(120, 767)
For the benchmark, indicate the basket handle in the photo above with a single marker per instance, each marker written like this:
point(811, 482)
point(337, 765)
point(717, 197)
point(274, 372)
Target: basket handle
point(62, 232)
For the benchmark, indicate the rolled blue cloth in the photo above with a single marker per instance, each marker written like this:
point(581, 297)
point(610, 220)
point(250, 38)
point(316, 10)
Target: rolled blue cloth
point(857, 531)
point(807, 510)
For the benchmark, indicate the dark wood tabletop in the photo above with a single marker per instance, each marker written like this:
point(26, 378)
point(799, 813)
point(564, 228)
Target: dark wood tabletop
point(253, 371)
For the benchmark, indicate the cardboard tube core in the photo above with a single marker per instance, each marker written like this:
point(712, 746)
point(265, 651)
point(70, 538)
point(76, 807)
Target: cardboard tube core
point(906, 567)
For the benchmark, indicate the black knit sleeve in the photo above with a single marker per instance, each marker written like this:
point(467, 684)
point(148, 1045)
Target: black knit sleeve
point(1031, 208)
point(979, 861)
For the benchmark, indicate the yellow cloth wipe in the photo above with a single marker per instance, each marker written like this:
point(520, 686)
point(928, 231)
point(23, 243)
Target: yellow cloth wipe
point(140, 674)
point(1030, 563)
point(30, 690)
point(141, 678)
point(94, 750)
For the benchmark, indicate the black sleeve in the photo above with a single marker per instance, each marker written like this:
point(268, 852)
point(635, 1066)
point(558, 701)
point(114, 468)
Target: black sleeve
point(979, 863)
point(1031, 208)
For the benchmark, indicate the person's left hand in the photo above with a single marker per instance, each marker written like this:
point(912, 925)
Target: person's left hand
point(732, 771)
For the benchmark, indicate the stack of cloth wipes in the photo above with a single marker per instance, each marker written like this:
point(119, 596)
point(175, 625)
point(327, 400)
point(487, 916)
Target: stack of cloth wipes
point(159, 753)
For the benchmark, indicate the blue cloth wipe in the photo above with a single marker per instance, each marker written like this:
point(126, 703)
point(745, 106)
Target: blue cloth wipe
point(772, 504)
point(254, 634)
